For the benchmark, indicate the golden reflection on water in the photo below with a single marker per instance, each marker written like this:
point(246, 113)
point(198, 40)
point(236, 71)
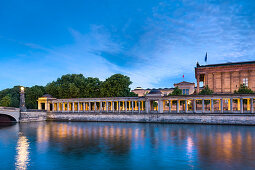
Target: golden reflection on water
point(212, 143)
point(22, 157)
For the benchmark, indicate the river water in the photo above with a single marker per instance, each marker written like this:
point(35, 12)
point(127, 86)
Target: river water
point(82, 145)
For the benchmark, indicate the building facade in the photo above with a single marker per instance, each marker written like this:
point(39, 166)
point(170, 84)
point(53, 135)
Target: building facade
point(186, 87)
point(226, 77)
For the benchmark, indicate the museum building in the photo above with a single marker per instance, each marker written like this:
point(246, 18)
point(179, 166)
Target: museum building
point(226, 77)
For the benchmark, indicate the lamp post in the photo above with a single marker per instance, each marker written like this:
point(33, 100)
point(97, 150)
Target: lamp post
point(22, 104)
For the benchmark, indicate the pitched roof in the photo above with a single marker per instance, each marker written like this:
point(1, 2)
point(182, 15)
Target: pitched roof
point(184, 83)
point(155, 91)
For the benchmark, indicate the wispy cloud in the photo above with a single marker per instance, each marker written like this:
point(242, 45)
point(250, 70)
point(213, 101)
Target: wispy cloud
point(155, 48)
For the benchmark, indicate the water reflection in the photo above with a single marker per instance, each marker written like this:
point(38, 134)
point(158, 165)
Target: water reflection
point(133, 145)
point(22, 158)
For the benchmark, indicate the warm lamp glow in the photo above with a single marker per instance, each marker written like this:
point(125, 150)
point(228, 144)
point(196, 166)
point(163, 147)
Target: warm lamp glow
point(22, 89)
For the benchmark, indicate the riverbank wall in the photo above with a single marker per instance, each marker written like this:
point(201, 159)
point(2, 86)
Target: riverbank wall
point(226, 119)
point(33, 116)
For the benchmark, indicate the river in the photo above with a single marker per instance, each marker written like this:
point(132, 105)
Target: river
point(99, 145)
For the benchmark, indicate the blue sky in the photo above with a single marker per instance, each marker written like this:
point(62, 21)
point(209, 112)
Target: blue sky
point(154, 42)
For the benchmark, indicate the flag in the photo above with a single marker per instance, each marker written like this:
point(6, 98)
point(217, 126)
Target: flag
point(206, 57)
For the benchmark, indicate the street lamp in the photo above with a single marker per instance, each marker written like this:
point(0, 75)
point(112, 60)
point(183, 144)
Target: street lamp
point(22, 104)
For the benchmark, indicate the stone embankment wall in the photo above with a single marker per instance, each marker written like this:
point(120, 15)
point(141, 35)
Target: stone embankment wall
point(33, 116)
point(157, 118)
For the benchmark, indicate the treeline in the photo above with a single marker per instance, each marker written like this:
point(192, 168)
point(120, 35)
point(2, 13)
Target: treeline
point(70, 86)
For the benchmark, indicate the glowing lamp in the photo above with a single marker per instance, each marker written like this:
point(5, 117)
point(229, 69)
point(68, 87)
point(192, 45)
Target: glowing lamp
point(22, 89)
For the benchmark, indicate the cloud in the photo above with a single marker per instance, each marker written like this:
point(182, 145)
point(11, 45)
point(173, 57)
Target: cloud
point(155, 52)
point(177, 36)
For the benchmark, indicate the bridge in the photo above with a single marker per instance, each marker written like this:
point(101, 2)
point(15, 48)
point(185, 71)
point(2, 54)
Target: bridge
point(9, 114)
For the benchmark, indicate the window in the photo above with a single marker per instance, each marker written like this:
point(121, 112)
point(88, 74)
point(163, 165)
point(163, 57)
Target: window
point(245, 82)
point(185, 91)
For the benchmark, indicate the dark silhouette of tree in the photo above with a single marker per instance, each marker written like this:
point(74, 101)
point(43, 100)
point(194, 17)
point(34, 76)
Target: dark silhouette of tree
point(176, 92)
point(243, 90)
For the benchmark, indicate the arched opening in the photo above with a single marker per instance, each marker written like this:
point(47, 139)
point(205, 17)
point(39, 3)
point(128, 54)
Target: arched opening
point(6, 118)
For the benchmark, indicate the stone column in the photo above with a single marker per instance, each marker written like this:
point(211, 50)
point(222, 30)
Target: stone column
point(78, 106)
point(68, 107)
point(106, 106)
point(240, 79)
point(89, 107)
point(63, 106)
point(221, 106)
point(160, 106)
point(95, 106)
point(198, 79)
point(139, 109)
point(73, 107)
point(113, 106)
point(212, 107)
point(22, 102)
point(100, 107)
point(186, 106)
point(170, 106)
point(119, 106)
point(222, 82)
point(132, 103)
point(203, 105)
point(213, 82)
point(250, 79)
point(58, 107)
point(241, 105)
point(147, 106)
point(252, 109)
point(83, 106)
point(231, 105)
point(125, 106)
point(178, 106)
point(53, 107)
point(194, 105)
point(230, 83)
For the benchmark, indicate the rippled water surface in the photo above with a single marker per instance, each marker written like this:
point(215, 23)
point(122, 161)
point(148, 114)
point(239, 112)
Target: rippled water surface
point(76, 145)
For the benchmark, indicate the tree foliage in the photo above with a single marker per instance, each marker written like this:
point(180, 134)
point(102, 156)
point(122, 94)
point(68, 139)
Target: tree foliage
point(5, 101)
point(32, 94)
point(176, 92)
point(206, 91)
point(70, 86)
point(116, 86)
point(243, 90)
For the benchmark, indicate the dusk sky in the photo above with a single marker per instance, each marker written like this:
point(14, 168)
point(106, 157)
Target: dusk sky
point(154, 42)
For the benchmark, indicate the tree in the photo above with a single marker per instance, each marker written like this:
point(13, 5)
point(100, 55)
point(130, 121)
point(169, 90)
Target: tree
point(176, 92)
point(206, 91)
point(5, 101)
point(243, 90)
point(14, 95)
point(92, 87)
point(116, 86)
point(32, 94)
point(70, 86)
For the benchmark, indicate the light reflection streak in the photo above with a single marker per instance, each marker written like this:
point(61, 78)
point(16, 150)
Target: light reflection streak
point(22, 157)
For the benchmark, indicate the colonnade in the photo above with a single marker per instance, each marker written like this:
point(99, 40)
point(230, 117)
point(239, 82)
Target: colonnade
point(205, 105)
point(99, 106)
point(159, 104)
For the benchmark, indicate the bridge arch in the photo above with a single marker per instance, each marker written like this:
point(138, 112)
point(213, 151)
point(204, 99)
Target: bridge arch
point(9, 114)
point(7, 118)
